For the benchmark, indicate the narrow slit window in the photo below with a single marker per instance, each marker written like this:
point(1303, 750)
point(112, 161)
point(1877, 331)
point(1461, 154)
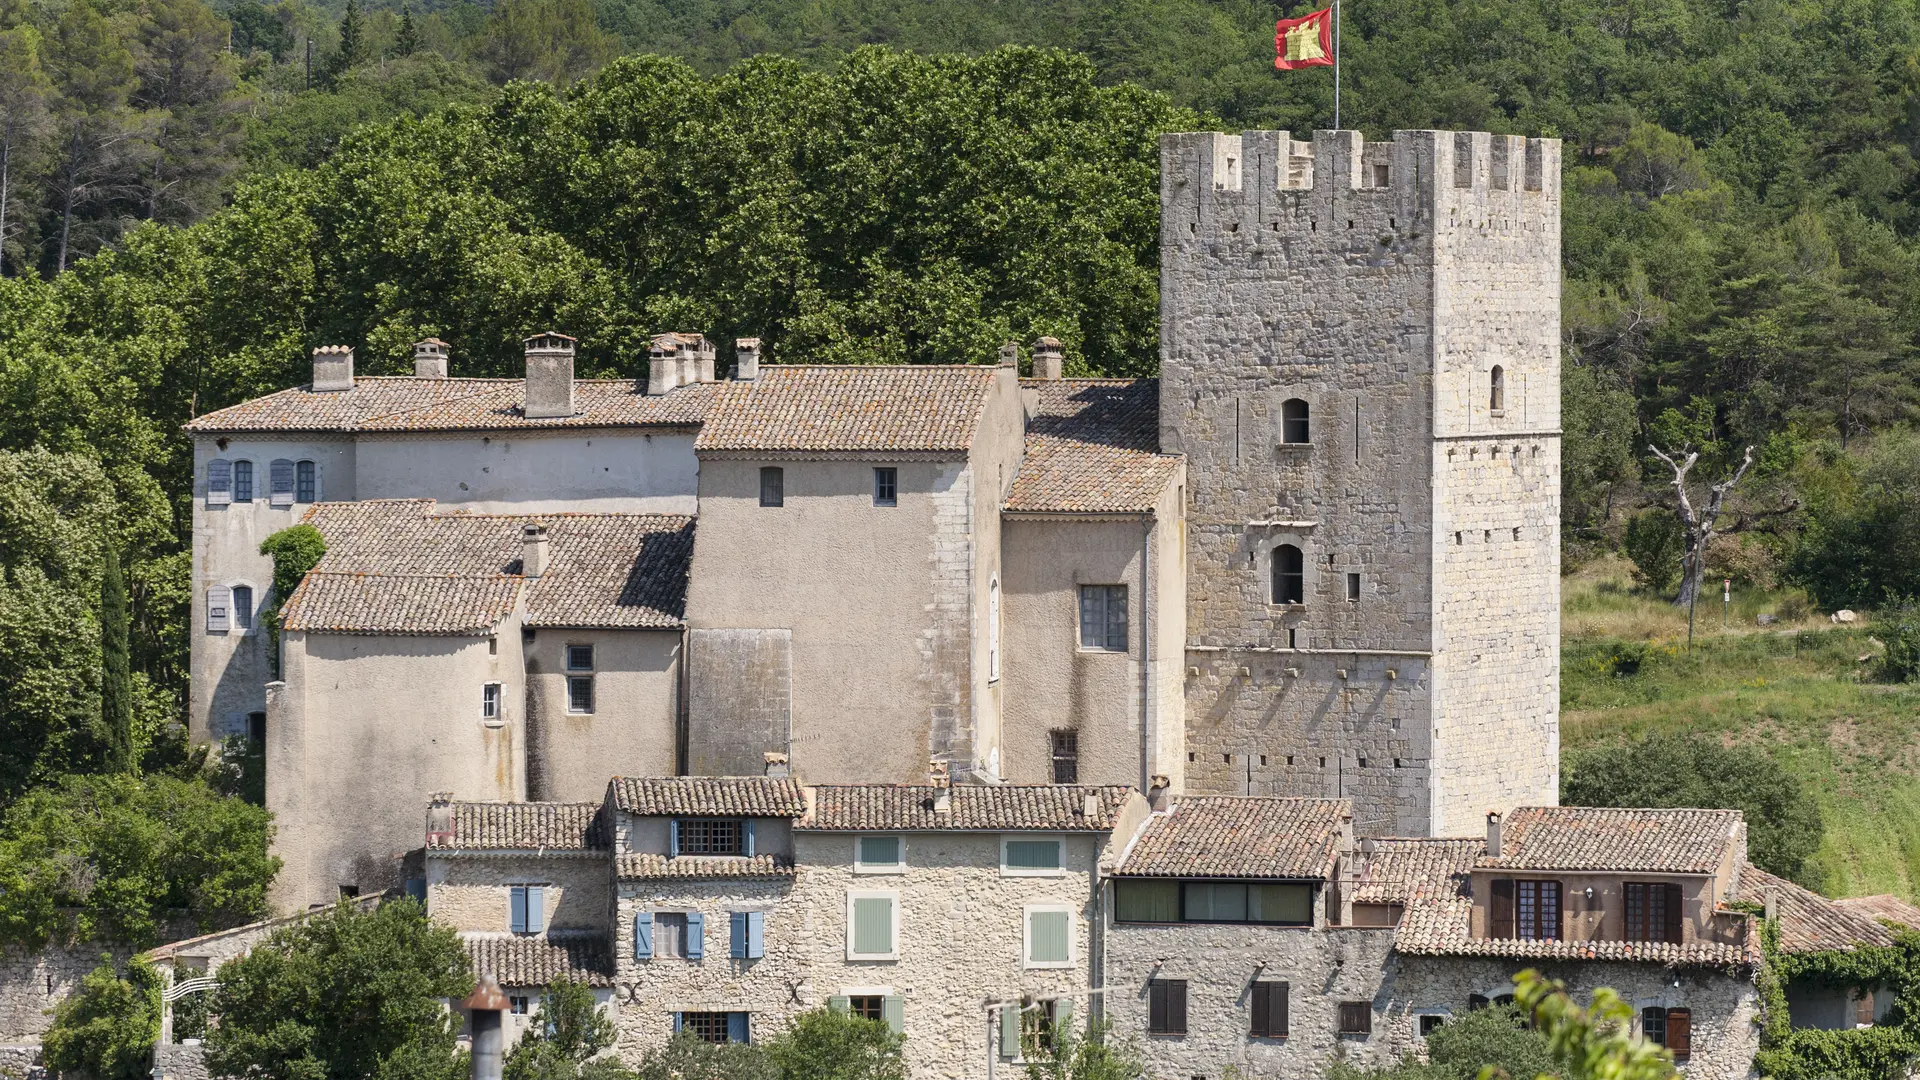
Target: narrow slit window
point(243, 607)
point(1497, 389)
point(1353, 587)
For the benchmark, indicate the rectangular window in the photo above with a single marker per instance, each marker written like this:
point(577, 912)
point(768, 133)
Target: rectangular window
point(490, 701)
point(527, 909)
point(1232, 901)
point(773, 486)
point(1356, 1017)
point(517, 1004)
point(305, 488)
point(867, 1006)
point(1049, 936)
point(1353, 587)
point(1146, 901)
point(1653, 911)
point(257, 728)
point(243, 481)
point(1269, 1010)
point(873, 926)
point(1066, 756)
point(219, 482)
point(670, 934)
point(878, 855)
point(1030, 858)
point(1529, 910)
point(886, 486)
point(708, 836)
point(1430, 1023)
point(580, 693)
point(219, 608)
point(579, 658)
point(1103, 617)
point(280, 482)
point(243, 607)
point(1167, 1007)
point(747, 935)
point(713, 1027)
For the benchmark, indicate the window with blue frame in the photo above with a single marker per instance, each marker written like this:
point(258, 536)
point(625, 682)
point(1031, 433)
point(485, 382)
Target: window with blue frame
point(527, 909)
point(713, 1027)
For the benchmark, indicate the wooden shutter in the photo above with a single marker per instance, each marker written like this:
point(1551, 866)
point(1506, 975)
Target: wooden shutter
point(643, 936)
point(219, 608)
point(893, 1009)
point(1157, 1007)
point(280, 483)
point(1680, 1033)
point(219, 483)
point(1063, 1016)
point(756, 934)
point(737, 935)
point(517, 910)
point(536, 909)
point(1177, 1006)
point(1261, 991)
point(696, 935)
point(1277, 1011)
point(1502, 909)
point(1674, 931)
point(1559, 909)
point(673, 838)
point(1010, 1031)
point(839, 1003)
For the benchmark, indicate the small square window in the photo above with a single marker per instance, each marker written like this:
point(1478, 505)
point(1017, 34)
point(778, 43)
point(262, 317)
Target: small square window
point(490, 701)
point(1356, 1017)
point(1030, 858)
point(1430, 1023)
point(708, 836)
point(773, 486)
point(879, 855)
point(868, 1006)
point(886, 486)
point(518, 1004)
point(579, 658)
point(580, 694)
point(1103, 617)
point(715, 1027)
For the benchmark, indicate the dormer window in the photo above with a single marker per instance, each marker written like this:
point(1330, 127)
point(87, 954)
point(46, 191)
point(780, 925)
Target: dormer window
point(711, 836)
point(1528, 910)
point(1653, 911)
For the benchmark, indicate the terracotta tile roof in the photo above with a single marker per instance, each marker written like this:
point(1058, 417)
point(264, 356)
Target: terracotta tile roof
point(1442, 927)
point(911, 808)
point(719, 796)
point(540, 961)
point(1885, 906)
point(1403, 869)
point(1227, 836)
point(645, 866)
point(398, 403)
point(1670, 841)
point(1809, 922)
point(495, 826)
point(1093, 447)
point(393, 566)
point(868, 408)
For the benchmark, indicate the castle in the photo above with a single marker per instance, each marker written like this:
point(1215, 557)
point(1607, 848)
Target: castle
point(1221, 705)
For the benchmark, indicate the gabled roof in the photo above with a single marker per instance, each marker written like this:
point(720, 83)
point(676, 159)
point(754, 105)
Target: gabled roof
point(1403, 869)
point(393, 566)
point(1658, 841)
point(1093, 447)
point(850, 408)
point(497, 826)
point(1230, 836)
point(517, 961)
point(718, 796)
point(971, 807)
point(398, 403)
point(1443, 927)
point(1809, 922)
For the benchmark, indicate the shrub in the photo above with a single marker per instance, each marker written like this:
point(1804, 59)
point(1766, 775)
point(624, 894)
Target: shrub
point(689, 1058)
point(1069, 1055)
point(1656, 543)
point(567, 1031)
point(828, 1044)
point(1495, 1036)
point(1783, 820)
point(1898, 628)
point(107, 1029)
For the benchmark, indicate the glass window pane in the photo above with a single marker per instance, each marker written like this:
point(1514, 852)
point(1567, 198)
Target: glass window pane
point(1117, 618)
point(1033, 854)
point(306, 486)
point(243, 481)
point(1280, 903)
point(1147, 901)
point(1047, 937)
point(242, 607)
point(1208, 901)
point(880, 850)
point(873, 925)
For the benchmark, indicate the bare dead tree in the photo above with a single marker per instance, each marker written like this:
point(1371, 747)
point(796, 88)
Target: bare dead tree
point(1700, 524)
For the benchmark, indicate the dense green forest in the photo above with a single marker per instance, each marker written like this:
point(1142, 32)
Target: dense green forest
point(194, 195)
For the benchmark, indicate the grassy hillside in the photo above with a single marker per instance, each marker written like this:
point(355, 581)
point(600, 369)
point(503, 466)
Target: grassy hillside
point(1802, 688)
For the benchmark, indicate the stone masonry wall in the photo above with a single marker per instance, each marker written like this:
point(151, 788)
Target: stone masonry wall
point(474, 892)
point(1326, 272)
point(33, 982)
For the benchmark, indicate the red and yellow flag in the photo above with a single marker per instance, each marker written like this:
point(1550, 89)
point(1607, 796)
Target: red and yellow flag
point(1304, 42)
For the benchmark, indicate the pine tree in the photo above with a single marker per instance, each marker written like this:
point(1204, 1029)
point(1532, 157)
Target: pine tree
point(116, 678)
point(353, 45)
point(408, 41)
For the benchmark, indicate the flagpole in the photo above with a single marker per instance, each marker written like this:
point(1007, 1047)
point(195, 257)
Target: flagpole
point(1336, 65)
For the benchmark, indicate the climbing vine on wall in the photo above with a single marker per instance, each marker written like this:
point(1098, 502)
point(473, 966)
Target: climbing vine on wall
point(1884, 1050)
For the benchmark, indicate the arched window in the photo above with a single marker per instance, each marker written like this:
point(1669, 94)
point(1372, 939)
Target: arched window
point(1289, 575)
point(219, 608)
point(219, 482)
point(280, 481)
point(243, 607)
point(1293, 421)
point(306, 485)
point(993, 630)
point(1497, 394)
point(243, 481)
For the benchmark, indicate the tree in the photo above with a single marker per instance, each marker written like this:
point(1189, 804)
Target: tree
point(257, 28)
point(1066, 1054)
point(407, 41)
point(555, 41)
point(1861, 544)
point(348, 994)
point(1783, 819)
point(567, 1032)
point(833, 1044)
point(354, 48)
point(186, 85)
point(107, 1028)
point(1698, 520)
point(93, 72)
point(24, 95)
point(116, 676)
point(1593, 1043)
point(1495, 1037)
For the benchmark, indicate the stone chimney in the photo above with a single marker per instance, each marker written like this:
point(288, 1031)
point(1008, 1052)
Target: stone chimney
point(1157, 786)
point(1047, 359)
point(776, 765)
point(549, 375)
point(440, 816)
point(430, 359)
point(1010, 354)
point(746, 358)
point(333, 367)
point(704, 356)
point(534, 550)
point(1493, 834)
point(663, 364)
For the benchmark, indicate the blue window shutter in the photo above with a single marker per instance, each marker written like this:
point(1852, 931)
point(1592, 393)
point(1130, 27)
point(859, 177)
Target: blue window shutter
point(737, 935)
point(673, 839)
point(517, 910)
point(737, 1027)
point(746, 837)
point(676, 1023)
point(894, 1009)
point(696, 935)
point(536, 909)
point(643, 942)
point(756, 934)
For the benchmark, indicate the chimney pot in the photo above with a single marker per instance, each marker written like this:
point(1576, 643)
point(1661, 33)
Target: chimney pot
point(1010, 354)
point(549, 375)
point(430, 359)
point(333, 368)
point(663, 366)
point(1494, 849)
point(534, 551)
point(746, 358)
point(1047, 359)
point(776, 765)
point(704, 357)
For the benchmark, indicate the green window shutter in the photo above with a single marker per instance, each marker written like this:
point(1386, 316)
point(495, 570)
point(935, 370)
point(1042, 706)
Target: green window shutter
point(1033, 854)
point(1047, 937)
point(894, 1008)
point(1010, 1031)
point(873, 926)
point(1063, 1015)
point(838, 1003)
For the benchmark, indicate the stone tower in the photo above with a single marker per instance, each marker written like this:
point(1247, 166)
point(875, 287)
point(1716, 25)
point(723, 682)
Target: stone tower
point(1360, 361)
